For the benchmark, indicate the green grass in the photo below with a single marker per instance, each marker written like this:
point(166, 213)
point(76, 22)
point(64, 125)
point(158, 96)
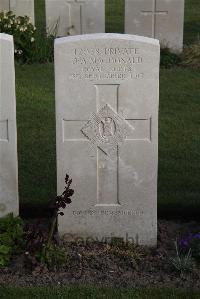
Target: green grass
point(192, 21)
point(95, 293)
point(179, 142)
point(40, 14)
point(115, 16)
point(36, 133)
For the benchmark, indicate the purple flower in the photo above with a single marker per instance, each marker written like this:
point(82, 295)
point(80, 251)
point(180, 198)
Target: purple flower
point(183, 243)
point(197, 236)
point(186, 241)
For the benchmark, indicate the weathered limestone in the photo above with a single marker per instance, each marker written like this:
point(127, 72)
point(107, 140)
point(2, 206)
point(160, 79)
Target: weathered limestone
point(161, 19)
point(19, 7)
point(8, 133)
point(72, 17)
point(107, 92)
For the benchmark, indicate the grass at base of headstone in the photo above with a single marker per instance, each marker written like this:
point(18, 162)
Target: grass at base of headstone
point(179, 143)
point(36, 133)
point(84, 292)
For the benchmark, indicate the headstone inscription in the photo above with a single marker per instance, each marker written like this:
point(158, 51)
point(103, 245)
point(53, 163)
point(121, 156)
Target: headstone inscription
point(72, 17)
point(107, 135)
point(161, 19)
point(8, 133)
point(19, 8)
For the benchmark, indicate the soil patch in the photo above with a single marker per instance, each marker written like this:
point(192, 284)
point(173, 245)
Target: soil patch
point(113, 265)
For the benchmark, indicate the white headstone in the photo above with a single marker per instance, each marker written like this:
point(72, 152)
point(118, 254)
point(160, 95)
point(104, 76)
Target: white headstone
point(8, 133)
point(72, 17)
point(107, 92)
point(19, 7)
point(161, 19)
point(4, 5)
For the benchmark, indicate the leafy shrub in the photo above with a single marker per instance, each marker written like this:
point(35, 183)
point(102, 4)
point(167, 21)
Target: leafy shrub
point(191, 241)
point(23, 32)
point(168, 59)
point(11, 237)
point(191, 55)
point(31, 46)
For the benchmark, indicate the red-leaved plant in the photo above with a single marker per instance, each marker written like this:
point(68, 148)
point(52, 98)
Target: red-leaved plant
point(58, 204)
point(40, 244)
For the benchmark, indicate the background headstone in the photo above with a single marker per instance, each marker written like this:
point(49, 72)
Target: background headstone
point(4, 5)
point(160, 19)
point(19, 8)
point(74, 17)
point(107, 92)
point(8, 132)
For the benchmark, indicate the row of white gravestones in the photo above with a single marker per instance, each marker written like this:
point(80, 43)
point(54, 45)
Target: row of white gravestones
point(19, 8)
point(72, 17)
point(107, 92)
point(160, 19)
point(8, 132)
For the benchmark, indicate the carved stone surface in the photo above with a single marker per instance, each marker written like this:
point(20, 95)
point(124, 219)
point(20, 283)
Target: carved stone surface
point(72, 17)
point(106, 129)
point(161, 19)
point(8, 132)
point(114, 78)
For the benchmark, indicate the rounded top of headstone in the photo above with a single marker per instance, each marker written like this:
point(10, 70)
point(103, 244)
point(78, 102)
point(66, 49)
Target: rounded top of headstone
point(7, 37)
point(104, 36)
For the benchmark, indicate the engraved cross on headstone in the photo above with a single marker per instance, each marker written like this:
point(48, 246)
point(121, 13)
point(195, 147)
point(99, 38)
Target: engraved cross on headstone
point(107, 130)
point(75, 15)
point(154, 13)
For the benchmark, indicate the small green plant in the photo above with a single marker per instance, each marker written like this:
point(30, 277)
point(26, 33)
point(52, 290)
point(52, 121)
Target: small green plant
point(23, 32)
point(41, 246)
point(11, 238)
point(54, 255)
point(169, 59)
point(191, 55)
point(183, 261)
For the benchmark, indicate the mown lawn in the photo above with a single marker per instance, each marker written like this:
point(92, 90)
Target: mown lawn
point(192, 21)
point(179, 142)
point(94, 293)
